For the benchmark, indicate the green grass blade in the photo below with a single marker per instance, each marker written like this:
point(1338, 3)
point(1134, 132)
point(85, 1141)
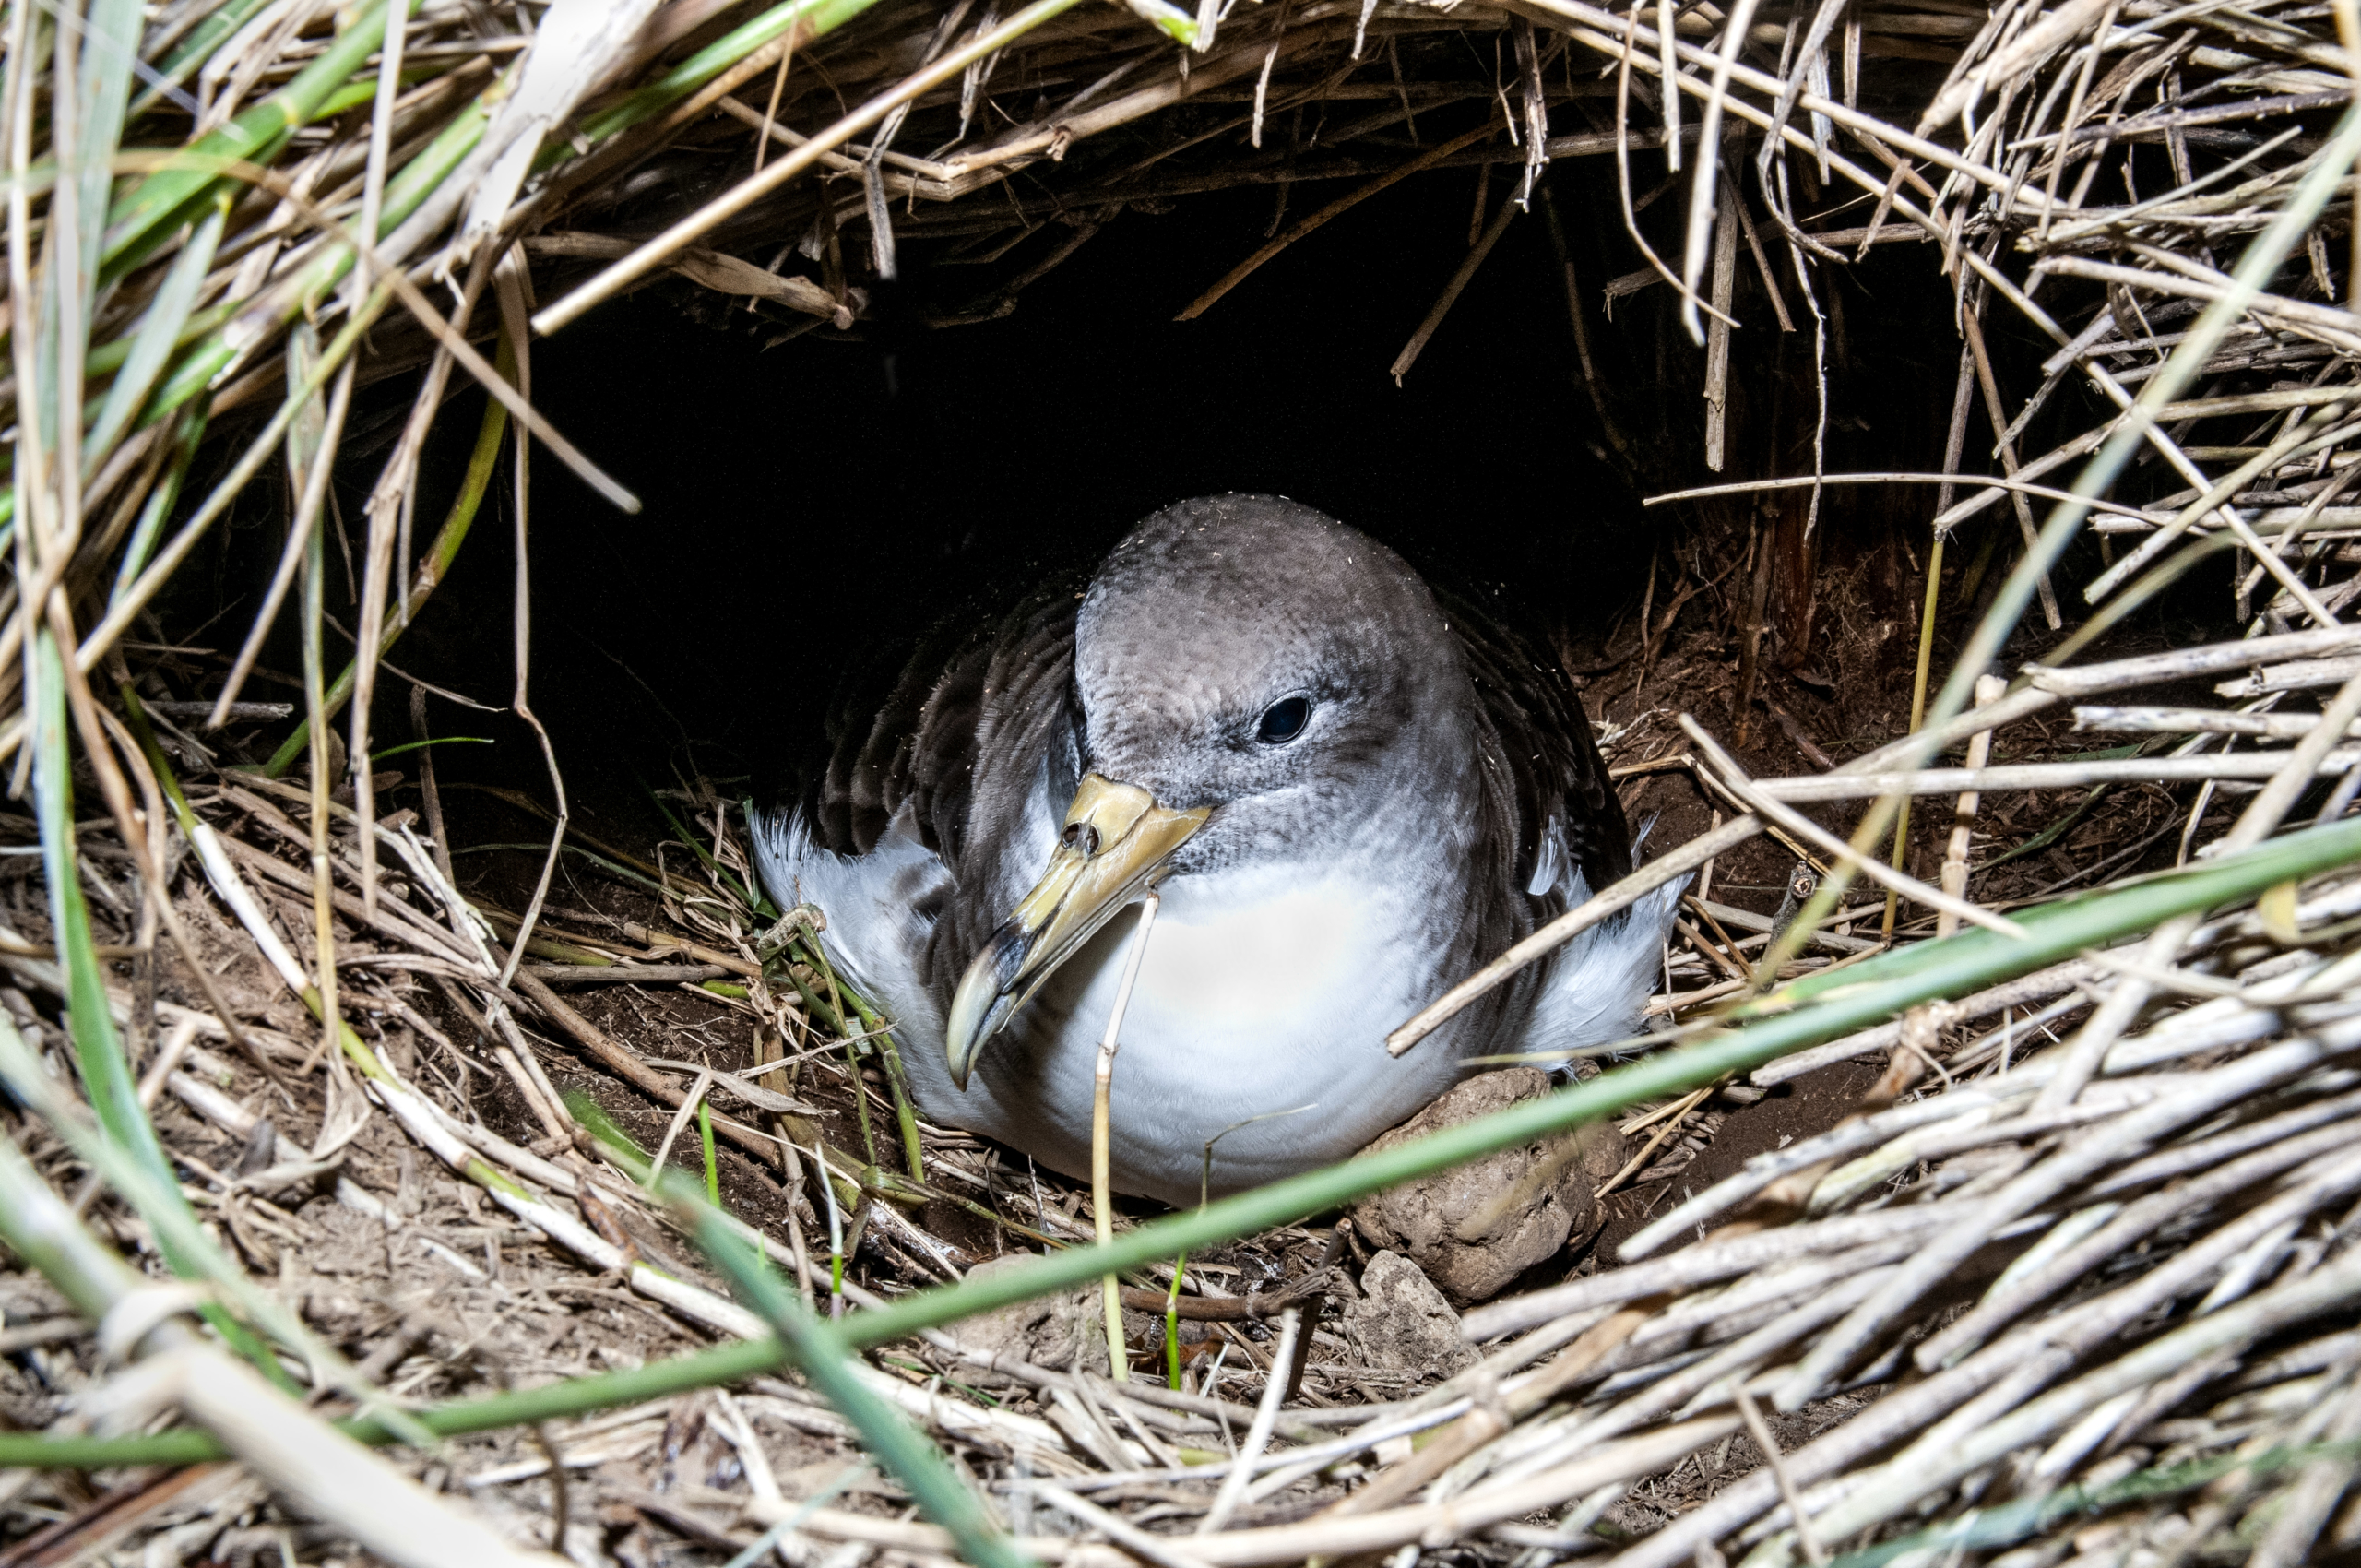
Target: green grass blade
point(111, 354)
point(106, 1077)
point(110, 49)
point(103, 42)
point(159, 203)
point(85, 1270)
point(188, 436)
point(1172, 1323)
point(131, 1155)
point(712, 1167)
point(821, 1351)
point(809, 17)
point(637, 1161)
point(763, 905)
point(26, 1451)
point(437, 740)
point(1169, 19)
point(192, 52)
point(431, 572)
point(130, 600)
point(864, 1019)
point(158, 333)
point(311, 452)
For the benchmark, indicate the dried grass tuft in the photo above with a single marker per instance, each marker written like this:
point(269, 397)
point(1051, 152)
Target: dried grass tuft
point(2071, 1276)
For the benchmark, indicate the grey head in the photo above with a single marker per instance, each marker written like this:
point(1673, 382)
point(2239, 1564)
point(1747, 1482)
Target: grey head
point(1258, 684)
point(1250, 656)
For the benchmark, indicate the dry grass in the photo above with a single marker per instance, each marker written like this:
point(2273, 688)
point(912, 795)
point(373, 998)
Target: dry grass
point(2066, 1273)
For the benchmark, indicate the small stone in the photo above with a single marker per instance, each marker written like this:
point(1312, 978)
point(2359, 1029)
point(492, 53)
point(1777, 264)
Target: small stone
point(1446, 1224)
point(1045, 1331)
point(1400, 1323)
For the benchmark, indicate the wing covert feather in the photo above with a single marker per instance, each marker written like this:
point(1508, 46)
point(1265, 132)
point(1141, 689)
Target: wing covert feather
point(950, 727)
point(1545, 747)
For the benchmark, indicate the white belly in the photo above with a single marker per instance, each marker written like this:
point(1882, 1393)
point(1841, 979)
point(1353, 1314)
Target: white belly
point(1260, 993)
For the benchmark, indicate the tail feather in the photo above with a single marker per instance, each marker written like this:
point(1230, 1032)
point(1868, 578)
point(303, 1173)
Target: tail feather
point(1604, 977)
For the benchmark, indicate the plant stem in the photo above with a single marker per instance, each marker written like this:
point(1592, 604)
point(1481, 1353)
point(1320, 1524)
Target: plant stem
point(431, 572)
point(712, 1171)
point(1102, 1117)
point(822, 1353)
point(904, 1114)
point(1173, 1323)
point(1917, 714)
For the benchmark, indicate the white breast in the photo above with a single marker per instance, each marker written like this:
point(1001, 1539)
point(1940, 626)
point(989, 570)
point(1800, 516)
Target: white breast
point(1261, 993)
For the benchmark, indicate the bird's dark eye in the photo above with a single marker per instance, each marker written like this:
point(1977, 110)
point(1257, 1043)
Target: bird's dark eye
point(1284, 721)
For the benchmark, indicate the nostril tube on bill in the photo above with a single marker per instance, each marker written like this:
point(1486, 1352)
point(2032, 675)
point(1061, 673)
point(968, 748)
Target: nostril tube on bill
point(1080, 837)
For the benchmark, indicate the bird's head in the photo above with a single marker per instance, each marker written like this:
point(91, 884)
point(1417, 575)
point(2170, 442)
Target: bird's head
point(1249, 673)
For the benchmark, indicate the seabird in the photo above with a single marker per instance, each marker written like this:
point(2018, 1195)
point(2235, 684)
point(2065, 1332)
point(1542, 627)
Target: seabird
point(1347, 789)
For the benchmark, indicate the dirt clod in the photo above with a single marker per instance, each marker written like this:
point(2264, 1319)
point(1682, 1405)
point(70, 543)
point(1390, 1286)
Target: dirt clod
point(1476, 1229)
point(1400, 1323)
point(1047, 1331)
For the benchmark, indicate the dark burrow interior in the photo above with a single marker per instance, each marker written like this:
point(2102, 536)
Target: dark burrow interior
point(808, 501)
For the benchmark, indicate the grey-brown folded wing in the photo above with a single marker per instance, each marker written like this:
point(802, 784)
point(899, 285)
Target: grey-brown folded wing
point(1541, 757)
point(953, 736)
